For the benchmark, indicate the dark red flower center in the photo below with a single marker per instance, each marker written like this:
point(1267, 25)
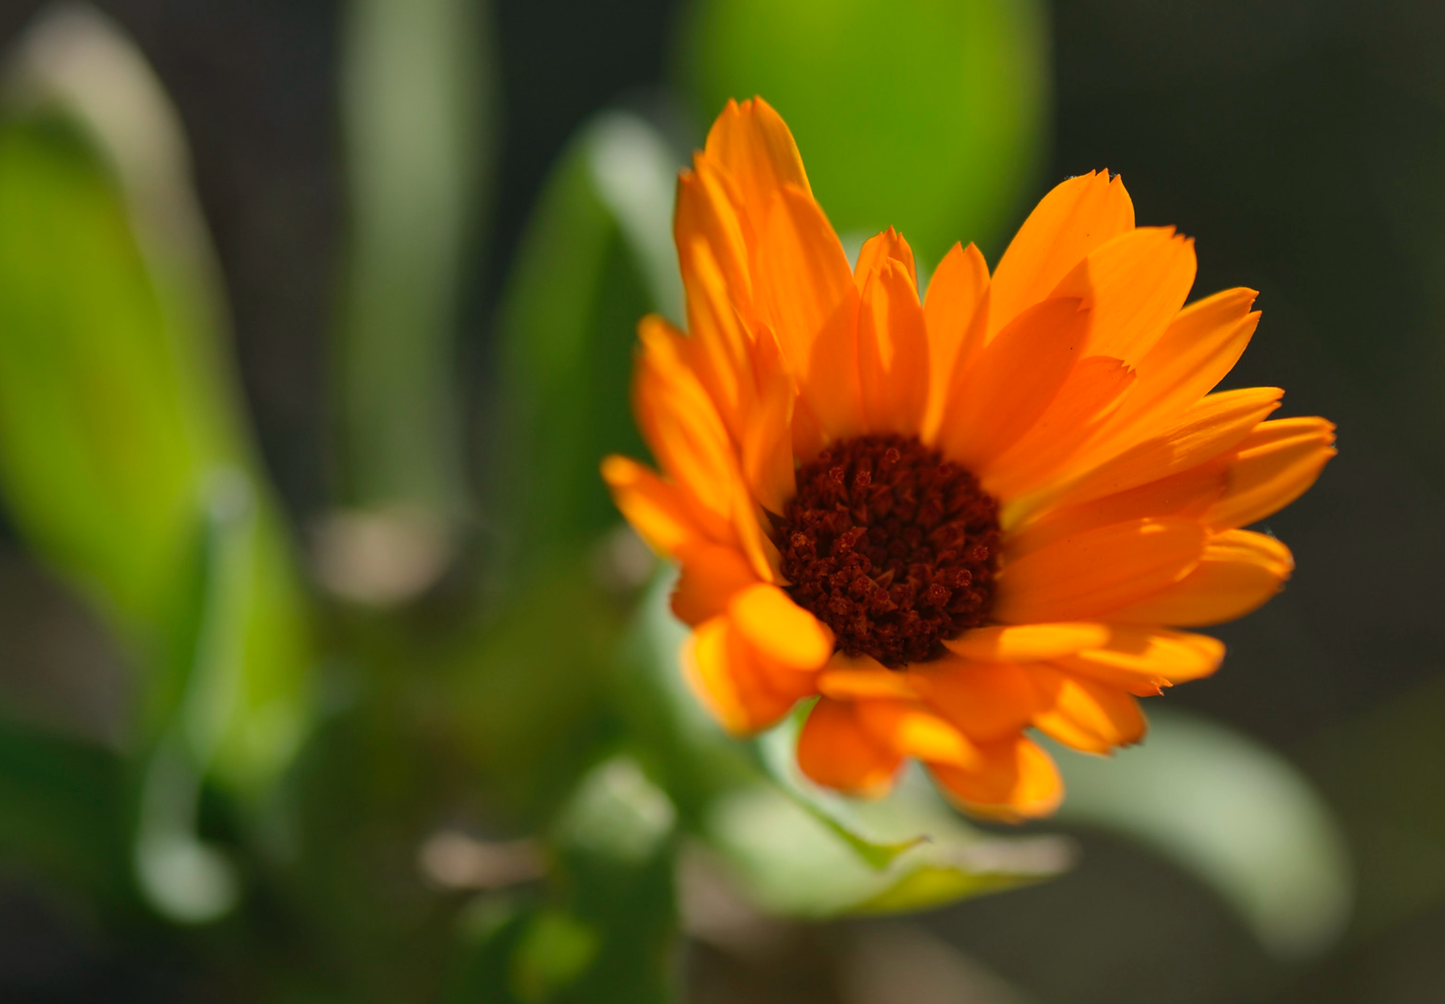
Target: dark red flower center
point(891, 546)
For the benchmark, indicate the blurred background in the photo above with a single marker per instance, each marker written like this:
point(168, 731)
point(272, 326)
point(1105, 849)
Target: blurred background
point(326, 673)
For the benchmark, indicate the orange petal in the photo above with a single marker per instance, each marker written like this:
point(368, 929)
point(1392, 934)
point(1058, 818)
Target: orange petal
point(988, 701)
point(680, 422)
point(1015, 780)
point(1083, 713)
point(767, 436)
point(707, 215)
point(892, 352)
point(1028, 642)
point(808, 292)
point(755, 145)
point(738, 687)
point(837, 752)
point(956, 313)
point(658, 511)
point(1272, 467)
point(1094, 573)
point(857, 678)
point(1085, 401)
point(1213, 426)
point(996, 400)
point(1135, 285)
point(1142, 660)
point(719, 345)
point(909, 729)
point(1186, 495)
point(888, 245)
point(778, 628)
point(711, 575)
point(1200, 346)
point(1076, 217)
point(1240, 571)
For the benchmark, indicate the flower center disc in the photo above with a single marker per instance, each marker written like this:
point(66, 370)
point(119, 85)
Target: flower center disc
point(891, 546)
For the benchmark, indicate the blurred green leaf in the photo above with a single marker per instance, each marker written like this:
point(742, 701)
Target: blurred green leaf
point(63, 812)
point(792, 860)
point(119, 432)
point(595, 258)
point(418, 96)
point(1233, 812)
point(796, 848)
point(614, 845)
point(605, 931)
point(926, 115)
point(554, 951)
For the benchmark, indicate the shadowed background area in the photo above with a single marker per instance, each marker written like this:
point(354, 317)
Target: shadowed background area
point(1301, 143)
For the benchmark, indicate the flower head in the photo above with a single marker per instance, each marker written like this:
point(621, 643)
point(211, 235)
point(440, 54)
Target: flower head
point(958, 518)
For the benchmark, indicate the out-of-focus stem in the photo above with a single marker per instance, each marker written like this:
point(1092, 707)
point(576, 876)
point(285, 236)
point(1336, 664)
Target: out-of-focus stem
point(417, 103)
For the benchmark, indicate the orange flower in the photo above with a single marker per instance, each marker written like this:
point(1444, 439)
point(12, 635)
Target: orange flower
point(957, 519)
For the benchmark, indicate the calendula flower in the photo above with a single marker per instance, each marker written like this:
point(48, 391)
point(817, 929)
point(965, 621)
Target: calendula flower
point(955, 519)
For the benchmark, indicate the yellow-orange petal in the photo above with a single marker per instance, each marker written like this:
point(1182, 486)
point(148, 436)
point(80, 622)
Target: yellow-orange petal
point(892, 352)
point(766, 441)
point(987, 701)
point(658, 511)
point(859, 678)
point(778, 628)
point(755, 145)
point(1272, 467)
point(1238, 572)
point(955, 311)
point(680, 422)
point(1186, 495)
point(910, 729)
point(883, 247)
point(1015, 780)
point(708, 667)
point(711, 574)
point(1028, 642)
point(1084, 402)
point(808, 293)
point(997, 399)
point(1084, 713)
point(1213, 426)
point(836, 751)
point(1094, 573)
point(735, 682)
point(1142, 660)
point(1200, 346)
point(720, 352)
point(1078, 216)
point(708, 215)
point(1135, 285)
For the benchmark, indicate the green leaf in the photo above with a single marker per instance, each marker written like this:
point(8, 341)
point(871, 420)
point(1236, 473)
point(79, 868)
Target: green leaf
point(119, 430)
point(1233, 812)
point(613, 845)
point(791, 859)
point(418, 99)
point(594, 260)
point(777, 748)
point(796, 848)
point(919, 114)
point(62, 812)
point(605, 930)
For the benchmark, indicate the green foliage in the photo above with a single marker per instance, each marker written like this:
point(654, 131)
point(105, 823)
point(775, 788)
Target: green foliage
point(545, 700)
point(925, 115)
point(117, 454)
point(1236, 814)
point(417, 98)
point(63, 812)
point(580, 282)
